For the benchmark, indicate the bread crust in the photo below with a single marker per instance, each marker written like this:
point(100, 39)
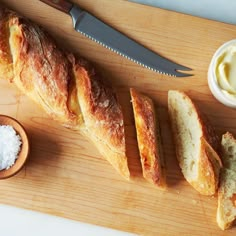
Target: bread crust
point(6, 67)
point(208, 160)
point(208, 170)
point(225, 217)
point(149, 141)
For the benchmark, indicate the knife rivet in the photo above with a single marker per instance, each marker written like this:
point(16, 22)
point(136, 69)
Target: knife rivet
point(56, 1)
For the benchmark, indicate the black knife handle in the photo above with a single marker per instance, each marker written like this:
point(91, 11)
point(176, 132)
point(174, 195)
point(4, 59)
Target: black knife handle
point(61, 5)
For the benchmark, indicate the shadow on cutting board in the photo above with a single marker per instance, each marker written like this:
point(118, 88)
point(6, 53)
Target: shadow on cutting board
point(42, 144)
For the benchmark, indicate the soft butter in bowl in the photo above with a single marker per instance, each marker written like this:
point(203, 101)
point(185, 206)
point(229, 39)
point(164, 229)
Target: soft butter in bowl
point(222, 74)
point(14, 146)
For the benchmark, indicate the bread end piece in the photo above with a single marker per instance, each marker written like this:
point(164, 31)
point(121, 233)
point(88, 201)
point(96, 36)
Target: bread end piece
point(226, 211)
point(195, 144)
point(41, 69)
point(102, 114)
point(148, 136)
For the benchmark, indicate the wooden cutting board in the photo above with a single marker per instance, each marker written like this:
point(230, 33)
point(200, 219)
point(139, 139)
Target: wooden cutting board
point(66, 176)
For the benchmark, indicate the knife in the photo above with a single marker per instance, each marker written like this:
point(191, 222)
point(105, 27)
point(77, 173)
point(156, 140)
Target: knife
point(96, 30)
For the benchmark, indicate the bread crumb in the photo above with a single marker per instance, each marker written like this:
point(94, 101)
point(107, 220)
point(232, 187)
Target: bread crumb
point(195, 202)
point(104, 104)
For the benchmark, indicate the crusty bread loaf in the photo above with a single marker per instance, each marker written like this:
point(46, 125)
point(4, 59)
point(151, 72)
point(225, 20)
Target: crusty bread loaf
point(149, 140)
point(6, 70)
point(195, 143)
point(66, 87)
point(226, 211)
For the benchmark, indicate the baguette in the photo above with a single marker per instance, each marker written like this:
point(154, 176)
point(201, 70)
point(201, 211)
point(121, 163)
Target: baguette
point(148, 136)
point(195, 142)
point(65, 86)
point(226, 210)
point(6, 67)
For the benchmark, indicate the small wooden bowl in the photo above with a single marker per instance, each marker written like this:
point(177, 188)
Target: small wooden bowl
point(24, 151)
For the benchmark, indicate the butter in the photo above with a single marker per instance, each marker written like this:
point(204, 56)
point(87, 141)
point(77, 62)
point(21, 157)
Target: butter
point(222, 74)
point(225, 71)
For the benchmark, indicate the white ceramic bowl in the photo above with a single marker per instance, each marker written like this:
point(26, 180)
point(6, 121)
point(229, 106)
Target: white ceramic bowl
point(212, 80)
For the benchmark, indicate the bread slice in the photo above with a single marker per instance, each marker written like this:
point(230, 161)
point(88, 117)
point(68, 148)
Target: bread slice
point(195, 143)
point(149, 141)
point(228, 149)
point(226, 211)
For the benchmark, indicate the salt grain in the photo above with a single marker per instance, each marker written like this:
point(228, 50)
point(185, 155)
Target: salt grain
point(10, 144)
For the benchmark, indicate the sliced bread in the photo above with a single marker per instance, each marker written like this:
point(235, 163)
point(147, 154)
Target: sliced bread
point(149, 140)
point(228, 149)
point(226, 211)
point(195, 143)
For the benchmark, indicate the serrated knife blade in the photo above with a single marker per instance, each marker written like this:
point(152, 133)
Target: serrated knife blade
point(98, 31)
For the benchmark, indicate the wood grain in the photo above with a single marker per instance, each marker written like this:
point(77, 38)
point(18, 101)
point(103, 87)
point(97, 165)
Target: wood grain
point(66, 176)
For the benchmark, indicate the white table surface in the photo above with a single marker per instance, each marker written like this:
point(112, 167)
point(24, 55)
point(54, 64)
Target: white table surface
point(15, 221)
point(220, 10)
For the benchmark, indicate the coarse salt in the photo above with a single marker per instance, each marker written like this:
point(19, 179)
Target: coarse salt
point(10, 145)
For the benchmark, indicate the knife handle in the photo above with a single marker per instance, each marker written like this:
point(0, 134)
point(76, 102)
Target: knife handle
point(61, 5)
